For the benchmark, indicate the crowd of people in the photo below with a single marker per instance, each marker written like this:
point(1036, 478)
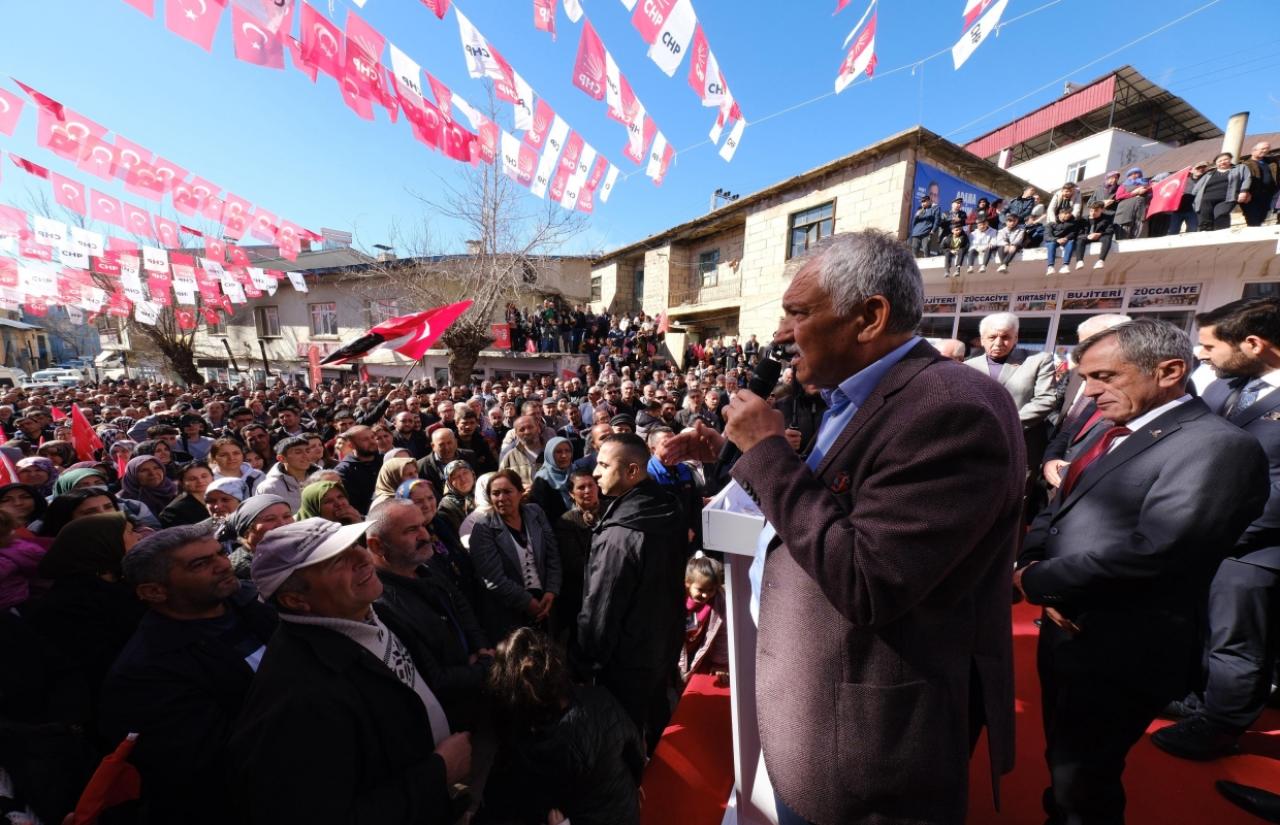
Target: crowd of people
point(1117, 209)
point(406, 603)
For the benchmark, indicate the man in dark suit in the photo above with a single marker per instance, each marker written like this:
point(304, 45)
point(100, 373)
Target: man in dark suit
point(1242, 342)
point(1121, 559)
point(885, 642)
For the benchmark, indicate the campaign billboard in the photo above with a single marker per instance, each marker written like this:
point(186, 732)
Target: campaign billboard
point(943, 188)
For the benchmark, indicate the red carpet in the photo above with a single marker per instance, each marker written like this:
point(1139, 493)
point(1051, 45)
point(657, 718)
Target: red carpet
point(1161, 789)
point(691, 775)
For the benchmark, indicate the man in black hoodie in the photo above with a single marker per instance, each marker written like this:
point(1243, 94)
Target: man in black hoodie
point(632, 621)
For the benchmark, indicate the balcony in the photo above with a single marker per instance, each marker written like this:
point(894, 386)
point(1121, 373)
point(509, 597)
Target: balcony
point(696, 295)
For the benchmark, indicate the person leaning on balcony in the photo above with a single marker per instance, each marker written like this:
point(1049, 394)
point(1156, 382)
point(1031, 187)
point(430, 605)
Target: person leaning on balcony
point(1218, 192)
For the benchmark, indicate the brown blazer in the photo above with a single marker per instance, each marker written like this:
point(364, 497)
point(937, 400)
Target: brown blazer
point(886, 599)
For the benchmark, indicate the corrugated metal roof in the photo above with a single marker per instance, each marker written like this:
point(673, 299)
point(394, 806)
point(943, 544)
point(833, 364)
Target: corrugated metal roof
point(1074, 105)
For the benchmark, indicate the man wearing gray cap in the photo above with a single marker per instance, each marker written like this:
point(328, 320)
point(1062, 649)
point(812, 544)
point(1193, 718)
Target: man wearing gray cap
point(339, 726)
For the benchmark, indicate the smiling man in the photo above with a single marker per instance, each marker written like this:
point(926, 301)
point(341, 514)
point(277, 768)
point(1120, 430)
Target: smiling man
point(340, 703)
point(182, 678)
point(1122, 559)
point(894, 538)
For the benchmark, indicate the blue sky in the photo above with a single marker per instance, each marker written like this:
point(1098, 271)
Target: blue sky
point(278, 140)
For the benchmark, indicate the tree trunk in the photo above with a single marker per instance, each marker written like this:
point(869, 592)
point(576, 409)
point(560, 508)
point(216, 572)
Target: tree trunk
point(182, 361)
point(461, 362)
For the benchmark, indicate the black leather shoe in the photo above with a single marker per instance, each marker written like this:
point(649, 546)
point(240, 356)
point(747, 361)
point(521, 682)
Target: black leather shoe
point(1182, 708)
point(1254, 800)
point(1195, 738)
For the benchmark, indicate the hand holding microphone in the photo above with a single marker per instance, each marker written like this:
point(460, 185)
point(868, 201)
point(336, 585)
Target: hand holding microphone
point(750, 418)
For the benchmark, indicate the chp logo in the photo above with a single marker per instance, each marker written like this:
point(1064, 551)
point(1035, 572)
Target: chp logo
point(591, 75)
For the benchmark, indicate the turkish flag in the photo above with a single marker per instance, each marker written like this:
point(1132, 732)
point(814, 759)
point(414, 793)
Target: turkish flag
point(13, 222)
point(105, 208)
point(501, 335)
point(299, 58)
point(457, 142)
point(321, 42)
point(10, 110)
point(238, 256)
point(544, 16)
point(184, 199)
point(137, 221)
point(84, 438)
point(115, 780)
point(212, 208)
point(147, 7)
point(1166, 196)
point(120, 246)
point(253, 42)
point(99, 159)
point(193, 232)
point(443, 96)
point(215, 249)
point(588, 69)
point(263, 225)
point(130, 155)
point(68, 194)
point(186, 319)
point(409, 335)
point(168, 172)
point(201, 189)
point(142, 180)
point(29, 167)
point(355, 97)
point(439, 7)
point(167, 233)
point(210, 315)
point(650, 16)
point(235, 216)
point(427, 124)
point(65, 134)
point(543, 117)
point(194, 20)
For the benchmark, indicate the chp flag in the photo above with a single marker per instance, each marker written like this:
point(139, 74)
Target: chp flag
point(981, 17)
point(410, 335)
point(862, 55)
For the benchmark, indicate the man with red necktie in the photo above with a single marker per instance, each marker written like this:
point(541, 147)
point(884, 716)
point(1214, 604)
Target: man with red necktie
point(1122, 558)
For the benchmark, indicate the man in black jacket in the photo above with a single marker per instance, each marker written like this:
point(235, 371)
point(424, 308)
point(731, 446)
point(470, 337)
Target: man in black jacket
point(340, 725)
point(359, 471)
point(180, 682)
point(632, 620)
point(426, 601)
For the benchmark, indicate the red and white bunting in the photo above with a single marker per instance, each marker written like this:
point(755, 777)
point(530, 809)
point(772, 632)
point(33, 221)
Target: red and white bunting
point(981, 17)
point(555, 139)
point(589, 67)
point(194, 20)
point(544, 16)
point(668, 49)
point(861, 56)
point(660, 156)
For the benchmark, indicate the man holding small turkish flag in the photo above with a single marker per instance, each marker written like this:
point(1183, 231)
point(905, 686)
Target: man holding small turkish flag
point(83, 436)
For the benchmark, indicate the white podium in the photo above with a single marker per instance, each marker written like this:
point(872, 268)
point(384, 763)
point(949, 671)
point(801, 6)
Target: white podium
point(731, 524)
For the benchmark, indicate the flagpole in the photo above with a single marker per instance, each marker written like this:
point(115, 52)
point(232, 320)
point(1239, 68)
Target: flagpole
point(412, 367)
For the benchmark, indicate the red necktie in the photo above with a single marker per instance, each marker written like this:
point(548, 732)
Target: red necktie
point(1088, 425)
point(1099, 449)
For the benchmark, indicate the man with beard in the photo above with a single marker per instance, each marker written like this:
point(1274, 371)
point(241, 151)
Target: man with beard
point(408, 434)
point(340, 725)
point(632, 621)
point(359, 470)
point(437, 614)
point(525, 454)
point(1241, 340)
point(444, 450)
point(180, 681)
point(470, 440)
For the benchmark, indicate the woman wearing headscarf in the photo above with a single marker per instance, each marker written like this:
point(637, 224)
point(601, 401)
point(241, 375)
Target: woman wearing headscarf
point(38, 472)
point(327, 500)
point(450, 558)
point(482, 507)
point(394, 472)
point(188, 507)
point(89, 613)
point(77, 477)
point(459, 493)
point(145, 481)
point(551, 483)
point(254, 518)
point(25, 504)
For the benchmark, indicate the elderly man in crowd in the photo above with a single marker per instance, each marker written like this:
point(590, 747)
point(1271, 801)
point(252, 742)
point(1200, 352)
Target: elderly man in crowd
point(525, 453)
point(883, 574)
point(1028, 377)
point(1122, 559)
point(340, 725)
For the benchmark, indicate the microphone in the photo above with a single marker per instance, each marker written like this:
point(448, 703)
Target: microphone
point(763, 380)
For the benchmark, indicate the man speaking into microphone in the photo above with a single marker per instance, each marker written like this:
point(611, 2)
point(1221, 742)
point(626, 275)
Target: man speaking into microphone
point(884, 627)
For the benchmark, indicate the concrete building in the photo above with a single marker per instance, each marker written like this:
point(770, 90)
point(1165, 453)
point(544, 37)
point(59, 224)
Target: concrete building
point(24, 345)
point(722, 273)
point(348, 292)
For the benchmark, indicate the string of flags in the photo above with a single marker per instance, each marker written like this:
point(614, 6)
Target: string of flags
point(861, 56)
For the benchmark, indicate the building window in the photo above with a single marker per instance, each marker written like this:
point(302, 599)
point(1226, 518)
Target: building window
point(267, 321)
point(709, 268)
point(637, 283)
point(219, 327)
point(1076, 171)
point(375, 312)
point(108, 330)
point(324, 318)
point(809, 227)
point(596, 289)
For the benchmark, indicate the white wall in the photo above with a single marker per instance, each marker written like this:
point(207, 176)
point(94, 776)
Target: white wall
point(1112, 149)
